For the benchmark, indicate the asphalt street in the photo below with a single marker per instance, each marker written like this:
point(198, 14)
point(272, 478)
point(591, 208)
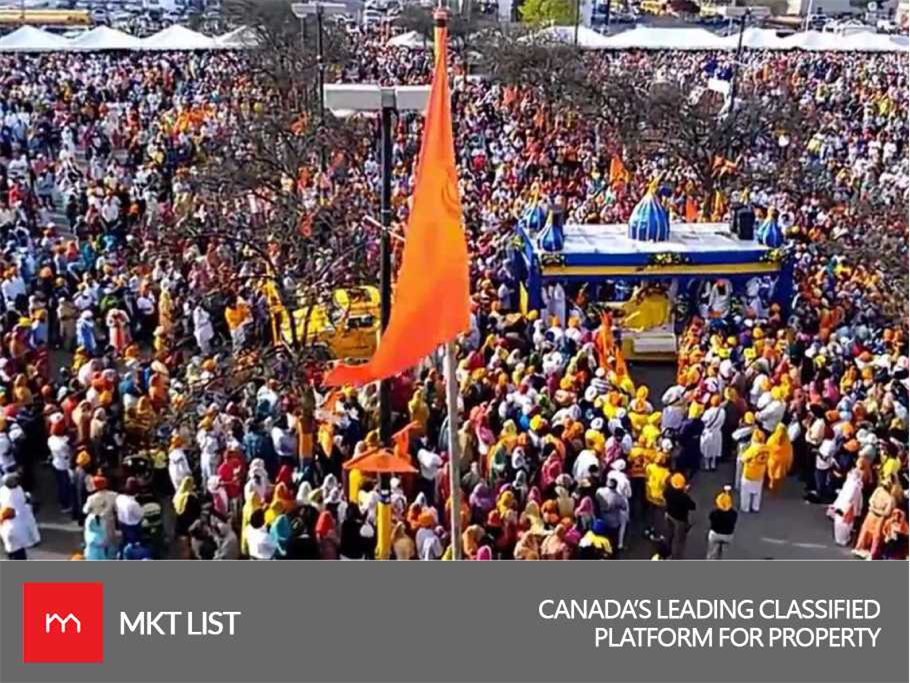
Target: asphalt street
point(787, 528)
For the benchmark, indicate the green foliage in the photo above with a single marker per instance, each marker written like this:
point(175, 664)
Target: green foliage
point(559, 12)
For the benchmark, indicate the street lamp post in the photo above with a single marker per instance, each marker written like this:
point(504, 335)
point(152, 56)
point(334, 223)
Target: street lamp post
point(301, 10)
point(386, 101)
point(739, 51)
point(809, 9)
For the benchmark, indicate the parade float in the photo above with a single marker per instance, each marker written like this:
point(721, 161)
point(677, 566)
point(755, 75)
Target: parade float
point(651, 273)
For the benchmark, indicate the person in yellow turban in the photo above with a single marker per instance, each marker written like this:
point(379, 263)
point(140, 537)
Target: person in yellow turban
point(639, 410)
point(418, 409)
point(656, 476)
point(722, 523)
point(755, 465)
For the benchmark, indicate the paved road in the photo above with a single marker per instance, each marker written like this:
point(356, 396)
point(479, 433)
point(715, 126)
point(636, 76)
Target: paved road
point(786, 528)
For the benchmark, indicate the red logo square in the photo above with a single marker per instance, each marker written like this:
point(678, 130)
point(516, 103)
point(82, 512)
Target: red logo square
point(63, 622)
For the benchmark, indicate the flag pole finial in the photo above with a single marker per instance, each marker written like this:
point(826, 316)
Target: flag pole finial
point(441, 15)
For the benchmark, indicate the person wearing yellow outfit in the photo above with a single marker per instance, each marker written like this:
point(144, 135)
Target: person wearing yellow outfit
point(639, 410)
point(651, 430)
point(418, 409)
point(253, 503)
point(755, 465)
point(780, 456)
point(612, 405)
point(656, 475)
point(237, 317)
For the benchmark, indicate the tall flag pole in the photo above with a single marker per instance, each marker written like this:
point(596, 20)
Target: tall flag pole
point(432, 293)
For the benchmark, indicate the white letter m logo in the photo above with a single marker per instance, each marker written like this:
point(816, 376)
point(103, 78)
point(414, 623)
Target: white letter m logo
point(63, 621)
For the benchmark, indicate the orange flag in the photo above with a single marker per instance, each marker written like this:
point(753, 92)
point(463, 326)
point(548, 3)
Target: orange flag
point(604, 343)
point(618, 171)
point(691, 209)
point(431, 303)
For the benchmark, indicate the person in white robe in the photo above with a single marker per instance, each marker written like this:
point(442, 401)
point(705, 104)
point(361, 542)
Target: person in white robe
point(712, 436)
point(624, 488)
point(202, 329)
point(847, 507)
point(13, 495)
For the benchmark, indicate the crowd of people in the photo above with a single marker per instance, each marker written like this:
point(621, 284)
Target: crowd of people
point(115, 342)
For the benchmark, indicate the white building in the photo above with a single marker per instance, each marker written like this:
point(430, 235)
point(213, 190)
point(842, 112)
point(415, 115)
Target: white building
point(802, 7)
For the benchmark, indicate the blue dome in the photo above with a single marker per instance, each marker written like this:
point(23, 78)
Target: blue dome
point(535, 217)
point(769, 233)
point(649, 221)
point(553, 236)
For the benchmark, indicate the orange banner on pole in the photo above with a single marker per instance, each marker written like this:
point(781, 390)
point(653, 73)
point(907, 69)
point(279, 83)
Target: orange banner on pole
point(432, 297)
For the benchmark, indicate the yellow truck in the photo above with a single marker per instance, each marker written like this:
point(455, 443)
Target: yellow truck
point(347, 326)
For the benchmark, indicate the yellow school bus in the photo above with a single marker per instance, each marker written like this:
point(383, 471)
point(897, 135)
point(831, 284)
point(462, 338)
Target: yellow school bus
point(45, 17)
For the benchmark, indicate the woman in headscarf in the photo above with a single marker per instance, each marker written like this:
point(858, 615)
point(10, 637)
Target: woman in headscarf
point(532, 516)
point(403, 547)
point(881, 504)
point(554, 546)
point(847, 507)
point(277, 507)
point(187, 507)
point(140, 419)
point(253, 503)
point(257, 480)
point(97, 543)
point(471, 539)
point(780, 456)
point(97, 429)
point(280, 531)
point(327, 536)
point(351, 547)
point(528, 545)
point(103, 504)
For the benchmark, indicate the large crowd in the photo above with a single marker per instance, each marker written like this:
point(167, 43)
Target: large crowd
point(113, 339)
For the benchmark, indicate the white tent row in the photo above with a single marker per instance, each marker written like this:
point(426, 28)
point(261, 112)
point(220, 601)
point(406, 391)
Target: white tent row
point(651, 38)
point(31, 39)
point(411, 40)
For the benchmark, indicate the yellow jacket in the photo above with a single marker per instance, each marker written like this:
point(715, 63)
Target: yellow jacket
point(755, 461)
point(655, 483)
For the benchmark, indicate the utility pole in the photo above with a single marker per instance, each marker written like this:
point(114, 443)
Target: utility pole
point(577, 19)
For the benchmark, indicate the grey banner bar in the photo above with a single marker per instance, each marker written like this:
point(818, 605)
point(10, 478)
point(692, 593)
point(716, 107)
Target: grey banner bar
point(445, 621)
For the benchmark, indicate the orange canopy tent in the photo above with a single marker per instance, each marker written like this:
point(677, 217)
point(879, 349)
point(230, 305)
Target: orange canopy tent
point(380, 460)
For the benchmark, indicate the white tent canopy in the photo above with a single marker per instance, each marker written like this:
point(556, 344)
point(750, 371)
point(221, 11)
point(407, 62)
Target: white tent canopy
point(868, 41)
point(239, 39)
point(651, 38)
point(756, 39)
point(31, 39)
point(815, 41)
point(105, 38)
point(565, 35)
point(411, 40)
point(179, 38)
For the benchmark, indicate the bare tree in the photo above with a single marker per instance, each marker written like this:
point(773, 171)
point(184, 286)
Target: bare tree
point(644, 115)
point(273, 208)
